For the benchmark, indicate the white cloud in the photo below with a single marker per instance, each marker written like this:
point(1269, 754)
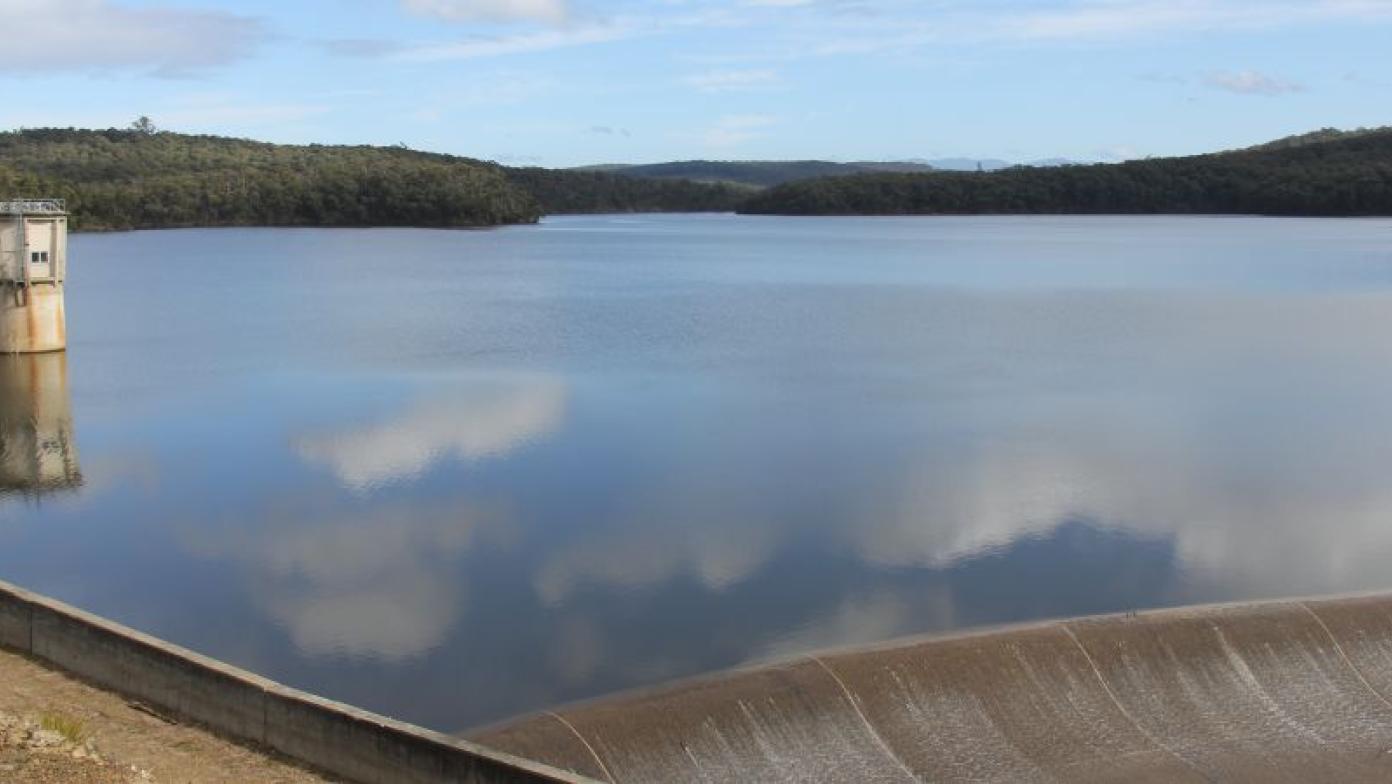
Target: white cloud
point(549, 11)
point(617, 28)
point(1251, 83)
point(736, 129)
point(1114, 18)
point(53, 35)
point(903, 27)
point(723, 81)
point(524, 43)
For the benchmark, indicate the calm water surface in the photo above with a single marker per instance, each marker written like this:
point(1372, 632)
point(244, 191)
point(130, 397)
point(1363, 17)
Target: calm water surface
point(456, 476)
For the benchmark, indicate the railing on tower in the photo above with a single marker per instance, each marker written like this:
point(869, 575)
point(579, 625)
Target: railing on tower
point(34, 207)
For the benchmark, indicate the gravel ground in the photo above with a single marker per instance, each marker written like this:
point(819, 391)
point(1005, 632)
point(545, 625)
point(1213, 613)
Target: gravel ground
point(31, 753)
point(56, 729)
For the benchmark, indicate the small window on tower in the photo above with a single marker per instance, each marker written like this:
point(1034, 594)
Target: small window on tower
point(34, 257)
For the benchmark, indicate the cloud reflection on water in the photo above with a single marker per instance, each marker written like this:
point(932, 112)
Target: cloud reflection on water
point(376, 583)
point(1236, 449)
point(375, 577)
point(678, 529)
point(487, 418)
point(743, 439)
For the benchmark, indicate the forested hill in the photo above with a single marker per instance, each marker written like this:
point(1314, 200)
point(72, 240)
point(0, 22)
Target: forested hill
point(137, 179)
point(756, 174)
point(140, 178)
point(1316, 137)
point(1329, 174)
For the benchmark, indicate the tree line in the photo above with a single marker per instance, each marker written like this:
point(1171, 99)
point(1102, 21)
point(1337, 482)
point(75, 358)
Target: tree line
point(1322, 174)
point(561, 191)
point(141, 177)
point(756, 174)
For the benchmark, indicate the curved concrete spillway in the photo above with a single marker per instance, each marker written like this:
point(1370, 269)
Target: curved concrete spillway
point(1281, 692)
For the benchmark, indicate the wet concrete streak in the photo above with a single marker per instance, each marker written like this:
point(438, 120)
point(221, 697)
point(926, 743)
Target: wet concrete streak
point(607, 775)
point(861, 713)
point(1340, 649)
point(1277, 692)
point(1101, 679)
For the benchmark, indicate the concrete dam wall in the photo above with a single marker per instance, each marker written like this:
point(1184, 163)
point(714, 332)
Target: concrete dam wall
point(1282, 692)
point(1292, 691)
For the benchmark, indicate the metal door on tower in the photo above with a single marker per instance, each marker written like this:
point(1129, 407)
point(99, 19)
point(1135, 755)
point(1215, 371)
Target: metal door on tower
point(40, 255)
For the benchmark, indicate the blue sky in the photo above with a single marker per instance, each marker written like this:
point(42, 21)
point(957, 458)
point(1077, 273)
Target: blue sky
point(567, 82)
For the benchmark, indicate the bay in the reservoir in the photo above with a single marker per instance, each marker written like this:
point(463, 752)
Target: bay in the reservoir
point(455, 476)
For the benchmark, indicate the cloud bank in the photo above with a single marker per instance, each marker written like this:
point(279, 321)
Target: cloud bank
point(548, 11)
point(76, 35)
point(1251, 83)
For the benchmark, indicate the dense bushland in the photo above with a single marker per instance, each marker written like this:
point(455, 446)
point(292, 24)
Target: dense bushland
point(1326, 173)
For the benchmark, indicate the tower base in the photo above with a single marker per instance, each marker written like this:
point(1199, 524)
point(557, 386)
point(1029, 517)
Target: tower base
point(32, 319)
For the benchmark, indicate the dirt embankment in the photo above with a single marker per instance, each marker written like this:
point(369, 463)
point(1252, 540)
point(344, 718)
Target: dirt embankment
point(54, 749)
point(56, 729)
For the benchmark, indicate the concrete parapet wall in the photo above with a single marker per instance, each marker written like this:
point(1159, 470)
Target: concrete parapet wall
point(1293, 691)
point(342, 741)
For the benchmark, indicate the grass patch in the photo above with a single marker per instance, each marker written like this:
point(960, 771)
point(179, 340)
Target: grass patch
point(72, 730)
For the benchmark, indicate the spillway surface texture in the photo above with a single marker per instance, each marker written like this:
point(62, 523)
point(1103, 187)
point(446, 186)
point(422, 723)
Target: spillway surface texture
point(1284, 692)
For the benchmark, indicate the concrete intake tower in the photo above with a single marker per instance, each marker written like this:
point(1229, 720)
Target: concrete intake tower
point(33, 267)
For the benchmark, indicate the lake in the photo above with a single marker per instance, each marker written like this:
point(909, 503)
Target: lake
point(457, 476)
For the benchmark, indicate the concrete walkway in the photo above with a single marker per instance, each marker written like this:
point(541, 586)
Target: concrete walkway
point(54, 728)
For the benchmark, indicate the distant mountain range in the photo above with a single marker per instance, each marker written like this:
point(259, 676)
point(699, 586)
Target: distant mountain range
point(753, 174)
point(993, 164)
point(766, 174)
